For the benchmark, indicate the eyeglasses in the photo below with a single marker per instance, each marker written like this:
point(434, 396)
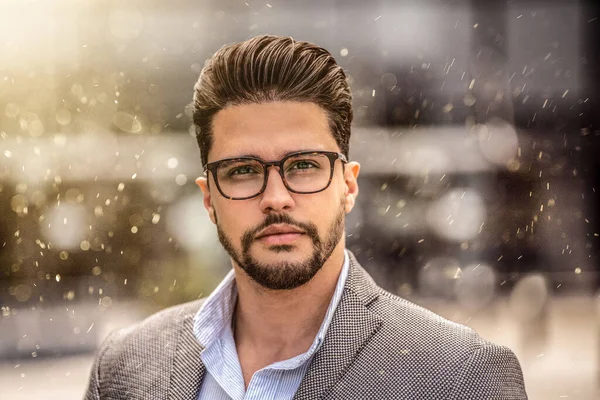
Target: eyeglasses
point(303, 172)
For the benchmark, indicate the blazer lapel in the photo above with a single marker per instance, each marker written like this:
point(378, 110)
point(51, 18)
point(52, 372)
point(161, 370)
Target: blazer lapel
point(187, 370)
point(352, 326)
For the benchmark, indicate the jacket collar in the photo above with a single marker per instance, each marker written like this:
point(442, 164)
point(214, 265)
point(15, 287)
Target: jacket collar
point(352, 326)
point(187, 370)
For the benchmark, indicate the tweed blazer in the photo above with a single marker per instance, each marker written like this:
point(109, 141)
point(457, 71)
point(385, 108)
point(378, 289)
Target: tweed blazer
point(378, 346)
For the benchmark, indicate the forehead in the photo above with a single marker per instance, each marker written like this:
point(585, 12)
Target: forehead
point(270, 130)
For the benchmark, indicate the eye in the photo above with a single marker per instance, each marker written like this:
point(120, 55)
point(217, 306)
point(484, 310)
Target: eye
point(242, 170)
point(304, 164)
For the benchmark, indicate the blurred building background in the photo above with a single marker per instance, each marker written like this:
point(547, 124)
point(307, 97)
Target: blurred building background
point(476, 124)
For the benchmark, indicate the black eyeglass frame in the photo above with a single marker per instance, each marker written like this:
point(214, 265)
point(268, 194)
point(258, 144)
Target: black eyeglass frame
point(331, 155)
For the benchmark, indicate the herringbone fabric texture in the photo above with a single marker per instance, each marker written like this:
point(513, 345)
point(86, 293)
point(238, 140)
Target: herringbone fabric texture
point(378, 346)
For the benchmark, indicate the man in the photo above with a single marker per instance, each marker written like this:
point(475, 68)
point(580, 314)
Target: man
point(297, 317)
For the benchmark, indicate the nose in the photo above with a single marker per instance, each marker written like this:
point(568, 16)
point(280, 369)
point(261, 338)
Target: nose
point(276, 196)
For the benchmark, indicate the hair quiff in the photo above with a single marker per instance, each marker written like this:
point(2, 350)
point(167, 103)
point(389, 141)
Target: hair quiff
point(272, 68)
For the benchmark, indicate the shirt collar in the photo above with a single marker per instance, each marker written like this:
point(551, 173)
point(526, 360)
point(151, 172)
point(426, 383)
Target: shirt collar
point(213, 319)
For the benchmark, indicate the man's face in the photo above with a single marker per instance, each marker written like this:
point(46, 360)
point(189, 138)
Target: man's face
point(270, 131)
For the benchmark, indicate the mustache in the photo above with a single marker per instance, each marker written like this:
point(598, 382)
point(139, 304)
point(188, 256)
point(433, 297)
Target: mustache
point(272, 219)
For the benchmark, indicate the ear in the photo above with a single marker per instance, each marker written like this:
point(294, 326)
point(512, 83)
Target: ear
point(351, 172)
point(203, 184)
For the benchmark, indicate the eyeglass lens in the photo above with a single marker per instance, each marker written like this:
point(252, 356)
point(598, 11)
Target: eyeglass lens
point(304, 173)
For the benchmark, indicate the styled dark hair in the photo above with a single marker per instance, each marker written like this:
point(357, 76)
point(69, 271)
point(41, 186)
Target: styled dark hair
point(272, 68)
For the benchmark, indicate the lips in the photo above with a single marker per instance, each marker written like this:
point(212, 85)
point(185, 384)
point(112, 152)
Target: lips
point(279, 229)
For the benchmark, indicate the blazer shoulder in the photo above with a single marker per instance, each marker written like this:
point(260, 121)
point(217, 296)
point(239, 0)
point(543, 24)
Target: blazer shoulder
point(146, 336)
point(433, 346)
point(405, 321)
point(134, 358)
point(402, 317)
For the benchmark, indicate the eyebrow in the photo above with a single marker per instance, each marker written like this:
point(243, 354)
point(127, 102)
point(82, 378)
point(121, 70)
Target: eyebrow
point(287, 153)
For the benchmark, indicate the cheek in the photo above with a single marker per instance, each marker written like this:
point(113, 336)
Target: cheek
point(235, 219)
point(325, 209)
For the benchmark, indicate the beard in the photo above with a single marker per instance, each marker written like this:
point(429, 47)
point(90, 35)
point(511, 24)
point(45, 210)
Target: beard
point(285, 275)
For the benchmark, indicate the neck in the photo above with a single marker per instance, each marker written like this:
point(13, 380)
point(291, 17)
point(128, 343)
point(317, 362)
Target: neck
point(284, 323)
